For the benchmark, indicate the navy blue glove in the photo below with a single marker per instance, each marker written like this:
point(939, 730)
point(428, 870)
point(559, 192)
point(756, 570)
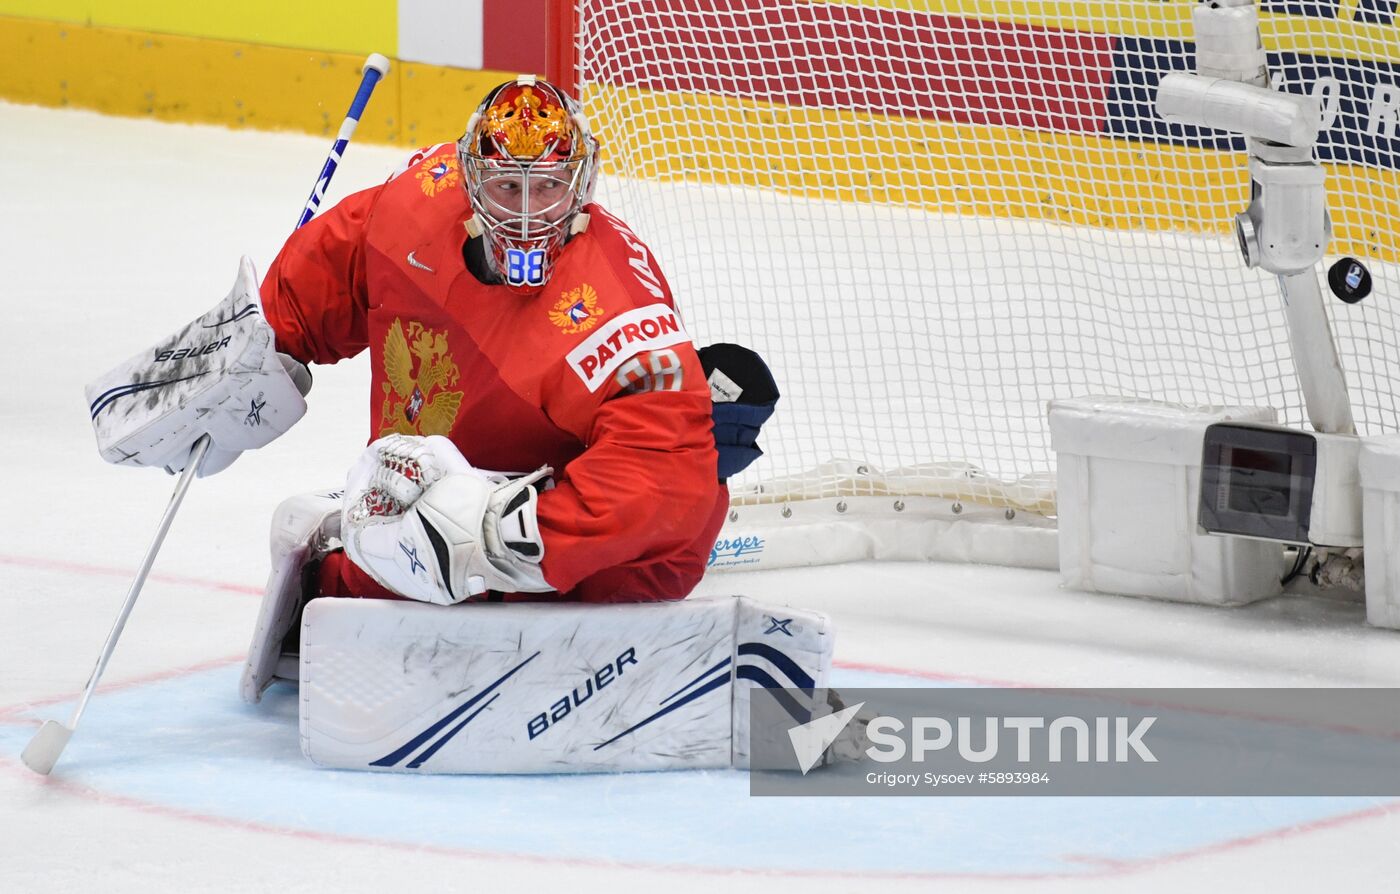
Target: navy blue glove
point(744, 396)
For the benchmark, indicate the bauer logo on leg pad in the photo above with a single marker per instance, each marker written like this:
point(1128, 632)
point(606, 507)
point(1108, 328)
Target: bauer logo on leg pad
point(600, 680)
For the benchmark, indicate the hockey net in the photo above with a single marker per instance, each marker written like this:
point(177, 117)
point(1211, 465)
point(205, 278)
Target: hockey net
point(934, 217)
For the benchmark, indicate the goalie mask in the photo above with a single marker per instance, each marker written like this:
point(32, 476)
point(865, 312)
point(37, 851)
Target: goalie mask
point(528, 164)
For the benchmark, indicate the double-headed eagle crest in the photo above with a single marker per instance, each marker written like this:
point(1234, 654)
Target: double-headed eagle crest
point(436, 175)
point(576, 310)
point(417, 370)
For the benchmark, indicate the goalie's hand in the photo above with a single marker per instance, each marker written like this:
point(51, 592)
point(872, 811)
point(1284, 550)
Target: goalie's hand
point(743, 395)
point(427, 525)
point(394, 471)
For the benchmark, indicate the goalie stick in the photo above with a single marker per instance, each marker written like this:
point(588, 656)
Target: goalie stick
point(44, 750)
point(48, 743)
point(375, 67)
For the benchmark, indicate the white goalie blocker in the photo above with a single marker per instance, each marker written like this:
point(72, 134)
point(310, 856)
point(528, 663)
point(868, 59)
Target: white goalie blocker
point(547, 687)
point(219, 376)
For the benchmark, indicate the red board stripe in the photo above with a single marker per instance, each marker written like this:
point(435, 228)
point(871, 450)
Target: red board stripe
point(853, 57)
point(513, 36)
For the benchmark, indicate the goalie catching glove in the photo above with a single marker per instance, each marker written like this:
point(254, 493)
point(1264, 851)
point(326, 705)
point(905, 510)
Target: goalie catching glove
point(423, 522)
point(219, 376)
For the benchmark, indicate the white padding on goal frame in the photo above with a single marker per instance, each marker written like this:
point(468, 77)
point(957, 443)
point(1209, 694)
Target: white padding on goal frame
point(833, 530)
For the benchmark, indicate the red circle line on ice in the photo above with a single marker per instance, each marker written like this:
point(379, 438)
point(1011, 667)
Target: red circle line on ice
point(1104, 867)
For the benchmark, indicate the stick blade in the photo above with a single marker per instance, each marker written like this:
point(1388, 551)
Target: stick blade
point(48, 743)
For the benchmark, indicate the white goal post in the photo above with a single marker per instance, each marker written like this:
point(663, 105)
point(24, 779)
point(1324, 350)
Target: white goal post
point(932, 218)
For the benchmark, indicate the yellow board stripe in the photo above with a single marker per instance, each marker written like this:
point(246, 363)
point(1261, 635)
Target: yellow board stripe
point(982, 170)
point(345, 26)
point(1162, 20)
point(968, 169)
point(190, 79)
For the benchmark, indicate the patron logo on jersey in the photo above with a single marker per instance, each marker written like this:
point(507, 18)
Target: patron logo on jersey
point(643, 329)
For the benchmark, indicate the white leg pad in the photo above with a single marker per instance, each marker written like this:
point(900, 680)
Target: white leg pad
point(545, 687)
point(777, 648)
point(301, 526)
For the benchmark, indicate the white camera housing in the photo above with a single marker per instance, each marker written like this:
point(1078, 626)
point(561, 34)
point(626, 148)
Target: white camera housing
point(1286, 227)
point(1289, 119)
point(1285, 230)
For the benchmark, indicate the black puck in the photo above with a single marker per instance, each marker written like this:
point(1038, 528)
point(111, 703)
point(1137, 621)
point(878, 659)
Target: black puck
point(1350, 280)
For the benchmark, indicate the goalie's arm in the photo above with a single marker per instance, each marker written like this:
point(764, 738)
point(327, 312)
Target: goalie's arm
point(315, 293)
point(643, 490)
point(622, 524)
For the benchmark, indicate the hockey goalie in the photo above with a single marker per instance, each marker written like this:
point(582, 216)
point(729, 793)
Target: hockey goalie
point(543, 484)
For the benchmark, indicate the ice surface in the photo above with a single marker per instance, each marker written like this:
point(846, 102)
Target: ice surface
point(116, 231)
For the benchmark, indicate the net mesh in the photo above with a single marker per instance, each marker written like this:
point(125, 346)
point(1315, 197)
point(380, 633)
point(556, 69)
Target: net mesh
point(932, 218)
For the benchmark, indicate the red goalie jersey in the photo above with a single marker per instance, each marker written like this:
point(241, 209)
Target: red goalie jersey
point(594, 375)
